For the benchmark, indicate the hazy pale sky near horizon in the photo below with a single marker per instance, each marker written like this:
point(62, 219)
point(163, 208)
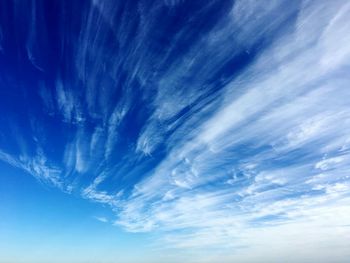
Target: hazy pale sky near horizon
point(174, 131)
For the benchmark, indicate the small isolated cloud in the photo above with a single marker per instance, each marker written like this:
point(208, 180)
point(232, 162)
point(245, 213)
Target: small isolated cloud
point(101, 219)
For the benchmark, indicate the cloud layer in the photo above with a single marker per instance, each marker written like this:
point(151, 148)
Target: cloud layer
point(221, 125)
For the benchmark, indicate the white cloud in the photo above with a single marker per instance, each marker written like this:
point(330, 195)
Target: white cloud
point(36, 165)
point(290, 110)
point(101, 219)
point(260, 161)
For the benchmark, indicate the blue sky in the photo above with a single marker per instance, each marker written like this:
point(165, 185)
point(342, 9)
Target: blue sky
point(174, 131)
